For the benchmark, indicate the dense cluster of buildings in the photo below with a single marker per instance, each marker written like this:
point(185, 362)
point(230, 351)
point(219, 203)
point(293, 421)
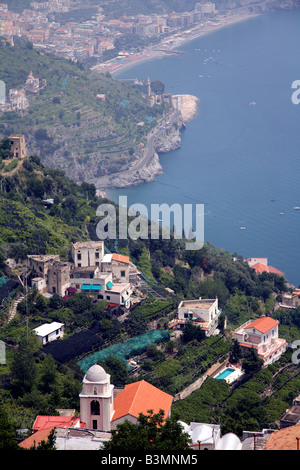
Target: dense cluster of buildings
point(108, 277)
point(82, 40)
point(103, 407)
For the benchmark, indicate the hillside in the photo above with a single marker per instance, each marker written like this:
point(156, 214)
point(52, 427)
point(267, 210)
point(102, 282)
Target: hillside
point(66, 123)
point(53, 379)
point(117, 8)
point(26, 225)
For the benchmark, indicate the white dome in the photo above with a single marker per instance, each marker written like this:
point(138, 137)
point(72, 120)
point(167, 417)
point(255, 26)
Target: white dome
point(96, 374)
point(202, 433)
point(229, 442)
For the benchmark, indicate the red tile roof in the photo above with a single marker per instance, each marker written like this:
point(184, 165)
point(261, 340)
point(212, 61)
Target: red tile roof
point(261, 268)
point(122, 258)
point(140, 397)
point(263, 324)
point(275, 271)
point(48, 422)
point(36, 438)
point(284, 439)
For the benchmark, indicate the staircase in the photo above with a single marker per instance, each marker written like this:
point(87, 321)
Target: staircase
point(13, 309)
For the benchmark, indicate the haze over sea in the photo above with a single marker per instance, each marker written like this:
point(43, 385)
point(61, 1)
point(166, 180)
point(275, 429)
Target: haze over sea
point(241, 160)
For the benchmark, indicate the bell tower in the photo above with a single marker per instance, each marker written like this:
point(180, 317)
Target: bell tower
point(96, 399)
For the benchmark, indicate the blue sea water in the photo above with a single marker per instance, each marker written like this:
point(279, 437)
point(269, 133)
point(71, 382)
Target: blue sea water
point(239, 159)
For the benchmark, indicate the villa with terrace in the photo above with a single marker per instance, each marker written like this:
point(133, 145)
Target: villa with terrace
point(203, 313)
point(262, 335)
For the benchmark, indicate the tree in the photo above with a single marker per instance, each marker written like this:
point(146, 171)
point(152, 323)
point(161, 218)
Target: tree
point(157, 87)
point(7, 441)
point(117, 369)
point(48, 376)
point(70, 203)
point(23, 368)
point(89, 190)
point(191, 332)
point(5, 149)
point(36, 187)
point(46, 445)
point(150, 432)
point(236, 352)
point(252, 363)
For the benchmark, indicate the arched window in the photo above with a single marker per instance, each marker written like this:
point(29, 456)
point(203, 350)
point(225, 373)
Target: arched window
point(95, 407)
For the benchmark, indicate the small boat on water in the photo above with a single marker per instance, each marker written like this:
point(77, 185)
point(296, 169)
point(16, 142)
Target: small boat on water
point(243, 228)
point(296, 208)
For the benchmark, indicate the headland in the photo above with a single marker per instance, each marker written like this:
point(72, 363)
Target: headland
point(165, 137)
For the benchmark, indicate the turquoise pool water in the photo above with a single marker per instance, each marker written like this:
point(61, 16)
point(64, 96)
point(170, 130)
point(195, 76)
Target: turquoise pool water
point(225, 373)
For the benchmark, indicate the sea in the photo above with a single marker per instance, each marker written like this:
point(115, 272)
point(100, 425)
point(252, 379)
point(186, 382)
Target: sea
point(240, 156)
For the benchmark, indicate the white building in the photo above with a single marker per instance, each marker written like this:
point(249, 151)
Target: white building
point(118, 265)
point(262, 336)
point(208, 437)
point(97, 399)
point(89, 253)
point(202, 312)
point(49, 332)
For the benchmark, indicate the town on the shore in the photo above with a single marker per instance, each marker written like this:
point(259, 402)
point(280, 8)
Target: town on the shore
point(97, 37)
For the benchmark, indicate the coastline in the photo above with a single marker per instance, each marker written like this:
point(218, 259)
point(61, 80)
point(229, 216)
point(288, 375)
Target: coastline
point(186, 105)
point(168, 46)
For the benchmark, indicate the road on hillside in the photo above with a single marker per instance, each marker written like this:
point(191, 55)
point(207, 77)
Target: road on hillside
point(149, 149)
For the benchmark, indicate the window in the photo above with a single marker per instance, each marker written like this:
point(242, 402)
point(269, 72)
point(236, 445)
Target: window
point(123, 273)
point(97, 255)
point(95, 407)
point(79, 265)
point(95, 390)
point(108, 297)
point(78, 256)
point(95, 424)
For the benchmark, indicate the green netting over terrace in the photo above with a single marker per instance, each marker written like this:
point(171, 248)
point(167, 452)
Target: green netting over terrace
point(124, 351)
point(3, 280)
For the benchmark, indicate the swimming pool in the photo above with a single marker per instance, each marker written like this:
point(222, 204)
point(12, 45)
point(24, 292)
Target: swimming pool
point(225, 373)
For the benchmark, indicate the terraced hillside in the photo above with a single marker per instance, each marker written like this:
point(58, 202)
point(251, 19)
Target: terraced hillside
point(82, 122)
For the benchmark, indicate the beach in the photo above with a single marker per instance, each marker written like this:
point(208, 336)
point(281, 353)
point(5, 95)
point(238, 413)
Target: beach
point(170, 44)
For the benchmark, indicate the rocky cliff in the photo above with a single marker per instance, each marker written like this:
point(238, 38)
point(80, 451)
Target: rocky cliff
point(165, 138)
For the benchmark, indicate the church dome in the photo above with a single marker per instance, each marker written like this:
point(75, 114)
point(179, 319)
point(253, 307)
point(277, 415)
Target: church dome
point(202, 433)
point(96, 374)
